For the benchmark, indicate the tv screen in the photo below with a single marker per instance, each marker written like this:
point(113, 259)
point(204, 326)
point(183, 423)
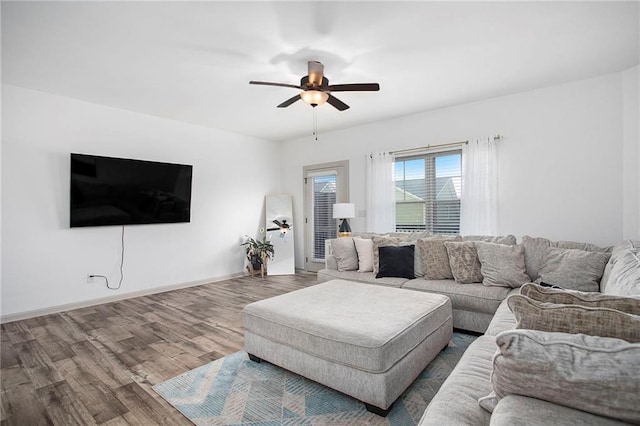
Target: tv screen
point(118, 191)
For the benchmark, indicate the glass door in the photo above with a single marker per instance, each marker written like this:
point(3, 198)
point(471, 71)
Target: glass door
point(325, 185)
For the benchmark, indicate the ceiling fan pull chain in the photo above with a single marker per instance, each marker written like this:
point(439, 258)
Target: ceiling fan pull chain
point(315, 123)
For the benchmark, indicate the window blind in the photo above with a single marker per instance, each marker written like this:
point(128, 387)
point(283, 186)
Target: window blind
point(324, 225)
point(428, 190)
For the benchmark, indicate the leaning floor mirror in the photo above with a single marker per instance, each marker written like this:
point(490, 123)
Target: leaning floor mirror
point(279, 226)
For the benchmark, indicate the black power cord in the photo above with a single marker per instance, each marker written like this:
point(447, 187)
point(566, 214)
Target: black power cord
point(106, 280)
point(121, 262)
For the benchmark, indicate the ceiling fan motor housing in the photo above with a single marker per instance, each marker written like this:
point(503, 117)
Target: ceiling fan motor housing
point(308, 85)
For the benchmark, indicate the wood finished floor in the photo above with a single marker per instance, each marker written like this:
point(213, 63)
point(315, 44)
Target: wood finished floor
point(96, 365)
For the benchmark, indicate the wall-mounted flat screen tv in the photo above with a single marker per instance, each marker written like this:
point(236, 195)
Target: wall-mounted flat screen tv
point(118, 191)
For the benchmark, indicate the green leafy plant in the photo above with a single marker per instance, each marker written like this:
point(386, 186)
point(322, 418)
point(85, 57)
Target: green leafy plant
point(258, 251)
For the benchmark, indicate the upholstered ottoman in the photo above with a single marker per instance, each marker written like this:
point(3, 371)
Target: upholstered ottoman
point(367, 341)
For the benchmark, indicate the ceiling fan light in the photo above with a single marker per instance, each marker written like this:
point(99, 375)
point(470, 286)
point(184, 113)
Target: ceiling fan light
point(314, 97)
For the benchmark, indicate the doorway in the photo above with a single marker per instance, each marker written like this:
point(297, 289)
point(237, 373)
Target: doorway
point(324, 185)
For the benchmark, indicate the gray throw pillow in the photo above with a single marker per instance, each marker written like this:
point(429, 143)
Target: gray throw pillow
point(381, 242)
point(502, 265)
point(572, 268)
point(344, 250)
point(534, 249)
point(554, 317)
point(464, 262)
point(434, 257)
point(593, 374)
point(630, 305)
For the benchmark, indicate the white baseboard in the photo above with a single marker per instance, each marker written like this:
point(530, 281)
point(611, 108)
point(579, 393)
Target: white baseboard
point(85, 304)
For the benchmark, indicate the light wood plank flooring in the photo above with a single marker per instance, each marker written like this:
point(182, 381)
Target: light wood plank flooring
point(96, 365)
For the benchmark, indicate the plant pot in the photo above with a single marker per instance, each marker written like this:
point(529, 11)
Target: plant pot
point(256, 262)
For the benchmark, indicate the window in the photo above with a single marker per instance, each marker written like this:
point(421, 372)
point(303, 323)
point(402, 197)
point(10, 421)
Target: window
point(428, 189)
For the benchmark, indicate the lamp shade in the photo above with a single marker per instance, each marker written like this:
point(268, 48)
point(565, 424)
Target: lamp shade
point(344, 210)
point(314, 97)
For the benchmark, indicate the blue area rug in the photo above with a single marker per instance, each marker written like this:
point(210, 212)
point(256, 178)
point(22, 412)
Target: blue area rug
point(235, 391)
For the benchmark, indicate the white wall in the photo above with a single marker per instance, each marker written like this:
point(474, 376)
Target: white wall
point(569, 165)
point(45, 263)
point(631, 154)
point(560, 161)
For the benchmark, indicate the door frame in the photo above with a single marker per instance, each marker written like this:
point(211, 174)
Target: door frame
point(342, 196)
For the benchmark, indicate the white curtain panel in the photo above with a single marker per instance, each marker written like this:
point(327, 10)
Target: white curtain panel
point(381, 207)
point(479, 204)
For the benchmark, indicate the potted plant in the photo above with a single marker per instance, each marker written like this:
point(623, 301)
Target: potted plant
point(258, 252)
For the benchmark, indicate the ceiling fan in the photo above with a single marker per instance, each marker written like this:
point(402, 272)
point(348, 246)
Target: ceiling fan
point(316, 89)
point(283, 227)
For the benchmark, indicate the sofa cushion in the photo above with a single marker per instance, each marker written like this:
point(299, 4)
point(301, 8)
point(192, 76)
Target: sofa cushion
point(503, 239)
point(344, 250)
point(364, 249)
point(435, 260)
point(534, 249)
point(396, 261)
point(469, 297)
point(616, 250)
point(502, 265)
point(361, 277)
point(572, 268)
point(456, 400)
point(588, 373)
point(464, 262)
point(624, 276)
point(624, 245)
point(604, 322)
point(525, 411)
point(330, 262)
point(503, 319)
point(416, 235)
point(629, 305)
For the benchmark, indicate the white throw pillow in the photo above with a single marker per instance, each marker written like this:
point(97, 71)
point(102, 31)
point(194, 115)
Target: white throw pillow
point(364, 248)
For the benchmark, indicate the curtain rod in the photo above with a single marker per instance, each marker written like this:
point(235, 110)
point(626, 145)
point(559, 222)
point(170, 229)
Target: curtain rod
point(442, 145)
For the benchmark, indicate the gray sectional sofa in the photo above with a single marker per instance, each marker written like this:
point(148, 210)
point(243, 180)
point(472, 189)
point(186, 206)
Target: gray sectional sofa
point(474, 304)
point(486, 309)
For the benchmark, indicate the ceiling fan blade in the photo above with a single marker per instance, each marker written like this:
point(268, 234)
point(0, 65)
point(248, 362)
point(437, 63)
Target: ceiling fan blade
point(267, 83)
point(337, 103)
point(289, 101)
point(273, 229)
point(316, 70)
point(277, 222)
point(355, 87)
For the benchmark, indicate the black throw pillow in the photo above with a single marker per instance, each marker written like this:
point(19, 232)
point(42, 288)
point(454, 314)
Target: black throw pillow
point(396, 261)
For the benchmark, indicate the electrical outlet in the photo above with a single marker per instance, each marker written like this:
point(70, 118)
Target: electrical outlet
point(90, 279)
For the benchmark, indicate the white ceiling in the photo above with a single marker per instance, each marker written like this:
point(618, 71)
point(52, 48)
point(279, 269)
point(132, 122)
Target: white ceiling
point(192, 61)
